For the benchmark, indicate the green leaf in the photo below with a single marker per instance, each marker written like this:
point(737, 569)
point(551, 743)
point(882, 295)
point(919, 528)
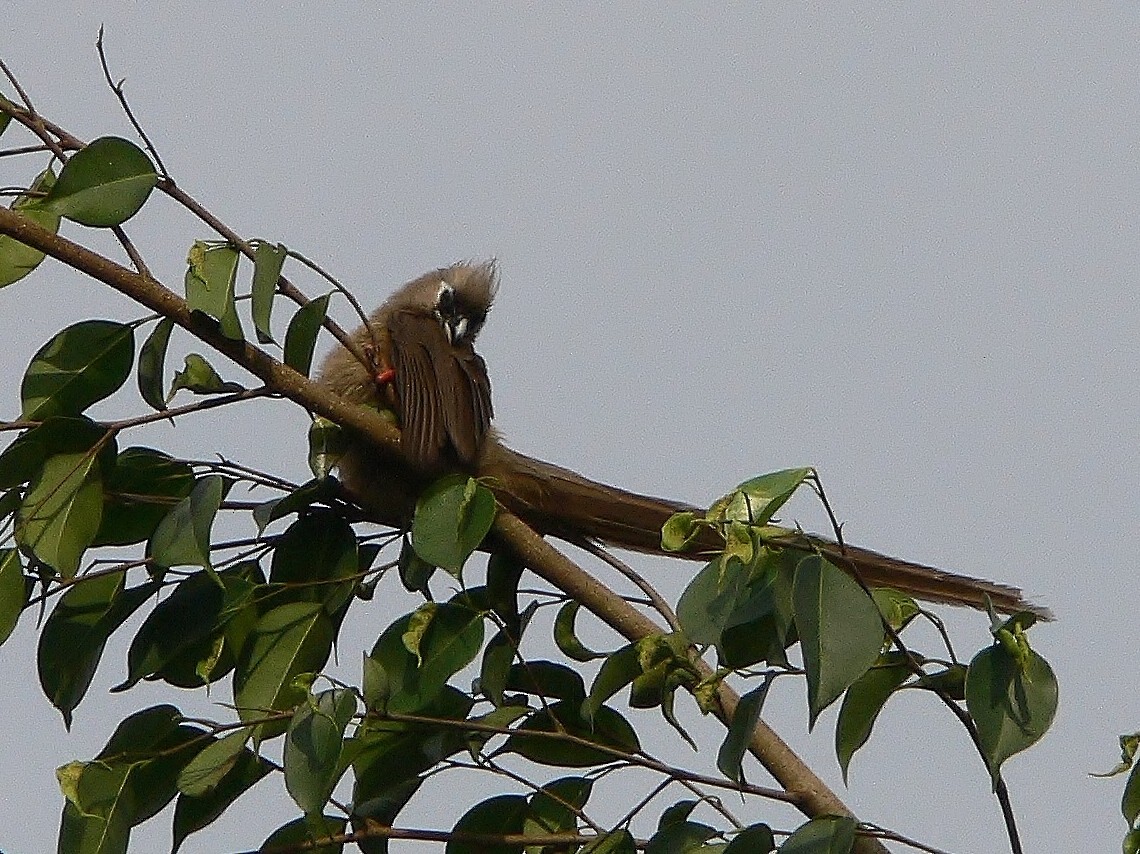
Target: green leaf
point(1011, 703)
point(415, 572)
point(62, 511)
point(498, 657)
point(316, 550)
point(709, 602)
point(154, 745)
point(23, 459)
point(103, 184)
point(1130, 800)
point(754, 839)
point(756, 501)
point(552, 808)
point(152, 365)
point(327, 444)
point(382, 809)
point(499, 815)
point(420, 652)
point(210, 278)
point(301, 833)
point(179, 622)
point(18, 259)
point(841, 633)
point(387, 755)
point(566, 638)
point(73, 637)
point(680, 838)
point(862, 704)
point(13, 591)
point(199, 377)
point(547, 679)
point(826, 835)
point(679, 531)
point(730, 757)
point(80, 365)
point(291, 639)
point(268, 260)
point(609, 729)
point(141, 489)
point(614, 842)
point(897, 608)
point(504, 571)
point(97, 817)
point(301, 336)
point(182, 538)
point(205, 771)
point(452, 517)
point(313, 747)
point(618, 670)
point(193, 812)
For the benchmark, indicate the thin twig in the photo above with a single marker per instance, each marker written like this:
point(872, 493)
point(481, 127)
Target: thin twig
point(117, 88)
point(659, 603)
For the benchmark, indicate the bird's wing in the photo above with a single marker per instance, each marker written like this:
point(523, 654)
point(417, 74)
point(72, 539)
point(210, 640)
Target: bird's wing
point(444, 396)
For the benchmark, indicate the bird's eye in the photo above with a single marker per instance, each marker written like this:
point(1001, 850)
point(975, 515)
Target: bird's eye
point(445, 299)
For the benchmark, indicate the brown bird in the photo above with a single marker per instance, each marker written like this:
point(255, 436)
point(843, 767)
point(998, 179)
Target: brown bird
point(423, 368)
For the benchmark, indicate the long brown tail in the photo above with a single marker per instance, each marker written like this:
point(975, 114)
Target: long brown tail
point(561, 502)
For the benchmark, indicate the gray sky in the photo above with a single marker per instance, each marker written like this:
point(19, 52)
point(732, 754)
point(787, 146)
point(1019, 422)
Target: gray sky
point(899, 245)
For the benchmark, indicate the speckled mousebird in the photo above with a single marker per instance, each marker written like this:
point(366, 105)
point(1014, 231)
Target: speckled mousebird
point(422, 366)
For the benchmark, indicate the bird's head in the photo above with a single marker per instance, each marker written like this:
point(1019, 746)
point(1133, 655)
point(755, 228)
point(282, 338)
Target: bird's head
point(458, 296)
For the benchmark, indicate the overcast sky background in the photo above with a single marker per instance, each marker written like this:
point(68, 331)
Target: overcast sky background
point(897, 244)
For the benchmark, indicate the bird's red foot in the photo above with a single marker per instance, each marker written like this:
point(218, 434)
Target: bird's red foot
point(385, 377)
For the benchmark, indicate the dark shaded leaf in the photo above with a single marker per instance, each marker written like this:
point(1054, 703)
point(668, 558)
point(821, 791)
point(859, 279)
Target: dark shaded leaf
point(152, 365)
point(840, 631)
point(80, 365)
point(452, 517)
point(23, 459)
point(182, 538)
point(313, 747)
point(383, 810)
point(547, 679)
point(210, 277)
point(730, 757)
point(301, 336)
point(141, 489)
point(13, 591)
point(73, 636)
point(267, 262)
point(499, 815)
point(614, 842)
point(154, 746)
point(306, 831)
point(610, 729)
point(192, 813)
point(103, 184)
point(863, 702)
point(317, 549)
point(552, 808)
point(754, 839)
point(180, 621)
